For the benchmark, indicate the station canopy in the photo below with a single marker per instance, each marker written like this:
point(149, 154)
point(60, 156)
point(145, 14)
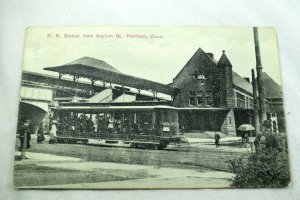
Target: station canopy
point(98, 70)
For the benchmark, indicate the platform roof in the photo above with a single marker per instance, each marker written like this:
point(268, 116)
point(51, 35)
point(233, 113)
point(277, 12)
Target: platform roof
point(99, 70)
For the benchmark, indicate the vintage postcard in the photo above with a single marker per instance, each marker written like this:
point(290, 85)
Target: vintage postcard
point(137, 107)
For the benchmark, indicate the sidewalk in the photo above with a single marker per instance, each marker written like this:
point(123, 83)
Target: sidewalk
point(203, 140)
point(158, 177)
point(41, 157)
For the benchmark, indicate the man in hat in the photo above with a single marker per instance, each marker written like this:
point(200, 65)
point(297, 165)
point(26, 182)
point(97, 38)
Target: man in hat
point(217, 139)
point(24, 136)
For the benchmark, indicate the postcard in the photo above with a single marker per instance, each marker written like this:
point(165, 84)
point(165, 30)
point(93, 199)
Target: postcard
point(150, 107)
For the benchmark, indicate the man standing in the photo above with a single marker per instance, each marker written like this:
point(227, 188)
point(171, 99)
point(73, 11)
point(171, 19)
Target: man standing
point(40, 134)
point(217, 140)
point(53, 136)
point(24, 136)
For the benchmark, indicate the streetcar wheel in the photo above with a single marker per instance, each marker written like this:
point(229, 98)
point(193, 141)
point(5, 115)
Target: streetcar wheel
point(85, 141)
point(72, 141)
point(132, 145)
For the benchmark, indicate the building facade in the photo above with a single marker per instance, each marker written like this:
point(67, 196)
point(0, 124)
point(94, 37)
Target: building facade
point(212, 96)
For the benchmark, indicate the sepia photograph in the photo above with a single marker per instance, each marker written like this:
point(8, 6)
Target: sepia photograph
point(151, 107)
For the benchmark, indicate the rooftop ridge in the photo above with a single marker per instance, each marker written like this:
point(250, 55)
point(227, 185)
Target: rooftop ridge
point(93, 62)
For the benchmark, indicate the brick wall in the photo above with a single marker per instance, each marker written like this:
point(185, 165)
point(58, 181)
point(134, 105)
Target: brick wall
point(228, 126)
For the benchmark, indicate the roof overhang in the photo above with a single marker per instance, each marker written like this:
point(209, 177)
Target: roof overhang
point(108, 76)
point(105, 108)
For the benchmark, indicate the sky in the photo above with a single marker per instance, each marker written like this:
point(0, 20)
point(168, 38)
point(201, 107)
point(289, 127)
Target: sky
point(158, 57)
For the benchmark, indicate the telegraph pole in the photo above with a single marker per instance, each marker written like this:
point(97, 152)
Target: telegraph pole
point(260, 85)
point(255, 102)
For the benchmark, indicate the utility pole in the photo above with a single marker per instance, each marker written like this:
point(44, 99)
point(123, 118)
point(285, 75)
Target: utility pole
point(260, 85)
point(255, 102)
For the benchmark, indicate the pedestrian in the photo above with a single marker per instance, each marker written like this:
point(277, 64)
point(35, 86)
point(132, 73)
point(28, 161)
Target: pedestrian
point(101, 124)
point(257, 142)
point(217, 140)
point(262, 143)
point(53, 136)
point(24, 136)
point(90, 124)
point(40, 134)
point(246, 140)
point(243, 138)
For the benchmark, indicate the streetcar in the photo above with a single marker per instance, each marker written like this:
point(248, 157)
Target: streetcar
point(149, 126)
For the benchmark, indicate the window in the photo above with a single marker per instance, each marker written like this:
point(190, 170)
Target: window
point(192, 93)
point(251, 103)
point(192, 101)
point(192, 98)
point(236, 99)
point(196, 98)
point(240, 100)
point(200, 100)
point(209, 100)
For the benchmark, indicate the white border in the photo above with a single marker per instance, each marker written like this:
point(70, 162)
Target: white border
point(16, 15)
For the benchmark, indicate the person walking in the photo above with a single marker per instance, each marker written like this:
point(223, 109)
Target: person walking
point(257, 142)
point(246, 140)
point(53, 136)
point(24, 136)
point(217, 140)
point(40, 134)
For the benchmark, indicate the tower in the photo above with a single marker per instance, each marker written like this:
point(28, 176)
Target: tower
point(225, 80)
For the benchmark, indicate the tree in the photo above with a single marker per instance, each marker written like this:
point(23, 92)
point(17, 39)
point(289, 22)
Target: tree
point(267, 167)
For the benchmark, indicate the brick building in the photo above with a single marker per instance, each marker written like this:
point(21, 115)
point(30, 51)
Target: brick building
point(212, 97)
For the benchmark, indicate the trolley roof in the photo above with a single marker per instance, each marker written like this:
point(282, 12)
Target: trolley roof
point(134, 107)
point(105, 108)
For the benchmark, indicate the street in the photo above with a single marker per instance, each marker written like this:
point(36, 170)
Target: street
point(197, 165)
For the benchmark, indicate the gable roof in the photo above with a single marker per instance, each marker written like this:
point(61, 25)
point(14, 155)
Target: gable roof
point(200, 54)
point(241, 82)
point(224, 61)
point(272, 89)
point(196, 58)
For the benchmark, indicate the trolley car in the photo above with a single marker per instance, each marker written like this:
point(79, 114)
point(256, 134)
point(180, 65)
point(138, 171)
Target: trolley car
point(139, 126)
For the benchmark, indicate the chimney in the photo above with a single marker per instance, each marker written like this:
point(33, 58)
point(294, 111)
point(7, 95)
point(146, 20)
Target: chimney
point(260, 85)
point(247, 79)
point(211, 55)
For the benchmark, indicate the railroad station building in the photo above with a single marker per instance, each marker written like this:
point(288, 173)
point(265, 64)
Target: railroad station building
point(212, 96)
point(207, 92)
